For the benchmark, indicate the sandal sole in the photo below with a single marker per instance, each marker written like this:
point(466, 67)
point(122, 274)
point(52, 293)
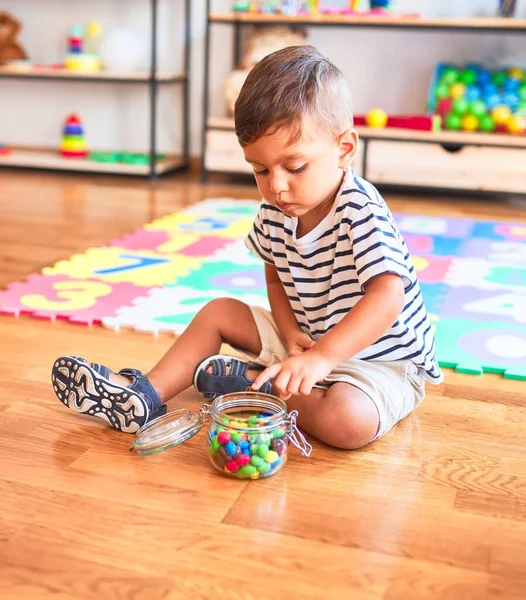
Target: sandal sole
point(83, 390)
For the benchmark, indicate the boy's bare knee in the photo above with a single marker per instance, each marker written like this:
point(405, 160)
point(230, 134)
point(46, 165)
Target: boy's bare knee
point(354, 414)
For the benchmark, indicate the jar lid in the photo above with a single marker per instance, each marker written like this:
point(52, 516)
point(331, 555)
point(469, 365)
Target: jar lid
point(167, 431)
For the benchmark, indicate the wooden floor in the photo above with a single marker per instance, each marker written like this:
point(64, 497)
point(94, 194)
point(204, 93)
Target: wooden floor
point(435, 510)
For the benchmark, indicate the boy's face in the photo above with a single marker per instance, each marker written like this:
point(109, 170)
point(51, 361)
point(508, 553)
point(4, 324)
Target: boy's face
point(303, 176)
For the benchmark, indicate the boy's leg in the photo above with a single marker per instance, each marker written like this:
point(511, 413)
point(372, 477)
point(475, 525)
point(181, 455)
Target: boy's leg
point(224, 320)
point(342, 416)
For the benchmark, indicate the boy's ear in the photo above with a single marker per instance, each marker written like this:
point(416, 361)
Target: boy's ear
point(348, 143)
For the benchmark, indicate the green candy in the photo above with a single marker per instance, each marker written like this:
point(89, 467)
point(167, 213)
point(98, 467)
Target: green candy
point(253, 420)
point(235, 437)
point(256, 461)
point(264, 468)
point(263, 451)
point(253, 438)
point(264, 438)
point(211, 450)
point(278, 433)
point(254, 448)
point(215, 443)
point(247, 470)
point(226, 421)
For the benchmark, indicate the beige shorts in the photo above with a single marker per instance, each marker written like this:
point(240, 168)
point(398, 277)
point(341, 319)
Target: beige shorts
point(396, 388)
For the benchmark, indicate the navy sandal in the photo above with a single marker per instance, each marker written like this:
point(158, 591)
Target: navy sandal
point(224, 380)
point(86, 388)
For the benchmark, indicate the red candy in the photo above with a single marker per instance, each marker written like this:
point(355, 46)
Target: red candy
point(232, 466)
point(243, 460)
point(223, 438)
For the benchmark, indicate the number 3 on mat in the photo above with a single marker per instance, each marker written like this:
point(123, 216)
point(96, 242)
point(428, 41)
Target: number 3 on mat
point(74, 295)
point(140, 262)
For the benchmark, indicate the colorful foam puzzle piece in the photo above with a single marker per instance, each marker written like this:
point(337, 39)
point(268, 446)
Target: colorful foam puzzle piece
point(496, 231)
point(142, 240)
point(485, 305)
point(226, 276)
point(120, 265)
point(432, 269)
point(509, 253)
point(60, 297)
point(435, 295)
point(434, 226)
point(477, 347)
point(486, 275)
point(170, 310)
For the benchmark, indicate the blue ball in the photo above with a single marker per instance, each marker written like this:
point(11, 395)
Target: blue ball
point(230, 448)
point(512, 85)
point(472, 93)
point(483, 77)
point(511, 100)
point(492, 101)
point(244, 445)
point(489, 89)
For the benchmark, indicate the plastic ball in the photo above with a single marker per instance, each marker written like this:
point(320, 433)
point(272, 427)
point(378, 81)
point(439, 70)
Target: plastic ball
point(468, 76)
point(450, 75)
point(453, 121)
point(460, 106)
point(470, 123)
point(487, 123)
point(499, 78)
point(477, 108)
point(442, 90)
point(444, 107)
point(473, 93)
point(512, 85)
point(516, 73)
point(457, 90)
point(483, 77)
point(501, 114)
point(511, 100)
point(492, 101)
point(516, 125)
point(522, 92)
point(376, 118)
point(489, 89)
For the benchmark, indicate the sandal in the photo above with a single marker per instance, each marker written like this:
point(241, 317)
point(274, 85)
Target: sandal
point(223, 380)
point(86, 388)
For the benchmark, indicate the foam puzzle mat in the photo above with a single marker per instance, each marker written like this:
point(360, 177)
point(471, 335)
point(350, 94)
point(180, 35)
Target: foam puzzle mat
point(472, 274)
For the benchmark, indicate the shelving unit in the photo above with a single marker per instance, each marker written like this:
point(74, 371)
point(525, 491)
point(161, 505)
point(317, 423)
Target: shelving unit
point(50, 159)
point(447, 148)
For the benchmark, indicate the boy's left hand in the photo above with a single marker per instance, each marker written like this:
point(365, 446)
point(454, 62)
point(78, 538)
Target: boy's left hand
point(296, 375)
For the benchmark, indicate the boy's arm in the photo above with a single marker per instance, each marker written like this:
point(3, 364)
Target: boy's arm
point(291, 334)
point(369, 319)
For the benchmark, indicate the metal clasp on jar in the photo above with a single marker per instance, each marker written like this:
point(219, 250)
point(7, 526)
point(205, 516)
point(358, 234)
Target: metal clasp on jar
point(295, 436)
point(204, 412)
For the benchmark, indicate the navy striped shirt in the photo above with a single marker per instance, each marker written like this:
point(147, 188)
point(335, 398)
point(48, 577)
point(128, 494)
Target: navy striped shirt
point(325, 271)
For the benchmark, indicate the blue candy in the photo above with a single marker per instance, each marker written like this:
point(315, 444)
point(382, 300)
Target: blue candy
point(230, 449)
point(247, 451)
point(276, 464)
point(244, 445)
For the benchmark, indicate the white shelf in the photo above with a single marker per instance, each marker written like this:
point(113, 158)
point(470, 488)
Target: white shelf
point(41, 158)
point(108, 76)
point(410, 135)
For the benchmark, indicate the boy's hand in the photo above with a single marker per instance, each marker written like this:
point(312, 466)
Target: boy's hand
point(296, 375)
point(297, 342)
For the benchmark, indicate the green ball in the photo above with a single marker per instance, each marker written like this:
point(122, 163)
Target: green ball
point(442, 91)
point(477, 108)
point(522, 92)
point(486, 123)
point(256, 461)
point(468, 76)
point(521, 110)
point(499, 78)
point(460, 106)
point(264, 468)
point(453, 121)
point(450, 75)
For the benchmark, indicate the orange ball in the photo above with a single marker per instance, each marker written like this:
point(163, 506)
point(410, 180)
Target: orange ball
point(376, 118)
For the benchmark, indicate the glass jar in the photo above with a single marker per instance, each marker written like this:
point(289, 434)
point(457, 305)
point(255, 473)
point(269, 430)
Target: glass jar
point(248, 434)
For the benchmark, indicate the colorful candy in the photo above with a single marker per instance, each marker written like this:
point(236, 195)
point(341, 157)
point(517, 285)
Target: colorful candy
point(259, 452)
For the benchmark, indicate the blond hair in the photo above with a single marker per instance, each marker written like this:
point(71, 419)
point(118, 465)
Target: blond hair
point(288, 85)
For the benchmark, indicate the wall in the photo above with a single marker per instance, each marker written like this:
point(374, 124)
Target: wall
point(387, 68)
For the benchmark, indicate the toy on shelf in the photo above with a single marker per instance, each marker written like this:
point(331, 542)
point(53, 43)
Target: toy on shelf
point(472, 98)
point(313, 7)
point(378, 118)
point(83, 46)
point(130, 158)
point(73, 144)
point(10, 49)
